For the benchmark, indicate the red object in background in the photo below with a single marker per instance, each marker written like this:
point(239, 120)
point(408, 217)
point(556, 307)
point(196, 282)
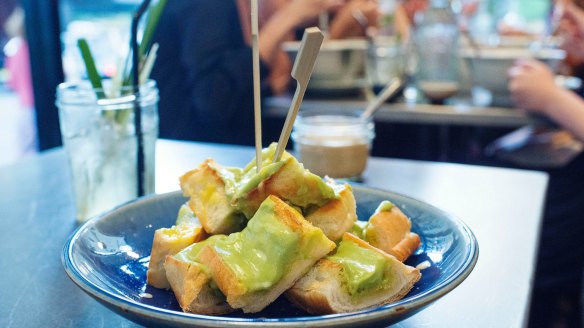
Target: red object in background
point(413, 6)
point(18, 64)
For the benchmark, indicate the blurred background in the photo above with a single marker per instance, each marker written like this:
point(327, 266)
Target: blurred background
point(106, 22)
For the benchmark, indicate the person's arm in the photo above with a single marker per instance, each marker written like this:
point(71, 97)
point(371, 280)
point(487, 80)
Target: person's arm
point(533, 88)
point(285, 20)
point(401, 23)
point(354, 18)
point(567, 110)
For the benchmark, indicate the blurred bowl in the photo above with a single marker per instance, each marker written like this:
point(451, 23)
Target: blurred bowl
point(340, 64)
point(514, 41)
point(490, 67)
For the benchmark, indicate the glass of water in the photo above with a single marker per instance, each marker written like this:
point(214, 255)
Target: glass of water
point(99, 137)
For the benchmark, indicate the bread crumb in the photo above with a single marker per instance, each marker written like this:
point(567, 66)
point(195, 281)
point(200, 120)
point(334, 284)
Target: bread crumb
point(146, 295)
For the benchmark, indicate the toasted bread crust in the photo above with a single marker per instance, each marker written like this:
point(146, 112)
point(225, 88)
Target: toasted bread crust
point(190, 285)
point(390, 232)
point(306, 295)
point(164, 245)
point(321, 292)
point(405, 247)
point(337, 216)
point(208, 199)
point(224, 277)
point(237, 294)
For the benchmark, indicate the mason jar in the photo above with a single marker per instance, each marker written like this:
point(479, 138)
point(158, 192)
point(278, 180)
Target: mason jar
point(99, 137)
point(333, 143)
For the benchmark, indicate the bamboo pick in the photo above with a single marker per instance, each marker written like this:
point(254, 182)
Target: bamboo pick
point(303, 66)
point(256, 84)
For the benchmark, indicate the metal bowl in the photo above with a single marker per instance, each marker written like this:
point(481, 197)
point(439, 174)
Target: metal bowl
point(340, 64)
point(490, 66)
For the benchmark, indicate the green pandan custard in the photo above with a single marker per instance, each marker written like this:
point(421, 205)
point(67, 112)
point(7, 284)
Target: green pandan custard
point(384, 206)
point(364, 270)
point(252, 179)
point(186, 216)
point(191, 253)
point(358, 229)
point(261, 254)
point(294, 184)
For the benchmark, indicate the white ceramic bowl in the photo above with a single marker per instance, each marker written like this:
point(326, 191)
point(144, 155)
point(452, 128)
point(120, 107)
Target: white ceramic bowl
point(490, 67)
point(340, 63)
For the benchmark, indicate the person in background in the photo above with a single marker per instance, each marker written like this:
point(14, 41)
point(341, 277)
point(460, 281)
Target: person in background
point(20, 80)
point(204, 65)
point(6, 9)
point(558, 282)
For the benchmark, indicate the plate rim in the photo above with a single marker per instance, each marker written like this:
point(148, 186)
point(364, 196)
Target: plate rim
point(419, 301)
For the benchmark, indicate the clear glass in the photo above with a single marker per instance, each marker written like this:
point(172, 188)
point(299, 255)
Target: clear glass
point(385, 60)
point(333, 143)
point(100, 140)
point(436, 37)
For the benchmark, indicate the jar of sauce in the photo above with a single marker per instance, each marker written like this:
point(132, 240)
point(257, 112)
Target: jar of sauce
point(334, 144)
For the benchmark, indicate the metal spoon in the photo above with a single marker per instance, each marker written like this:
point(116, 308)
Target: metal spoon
point(388, 91)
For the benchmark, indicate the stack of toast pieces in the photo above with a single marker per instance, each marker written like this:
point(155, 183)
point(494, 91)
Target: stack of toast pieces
point(246, 237)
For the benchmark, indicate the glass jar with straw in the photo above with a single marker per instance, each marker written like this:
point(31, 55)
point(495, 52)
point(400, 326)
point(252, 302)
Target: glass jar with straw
point(109, 128)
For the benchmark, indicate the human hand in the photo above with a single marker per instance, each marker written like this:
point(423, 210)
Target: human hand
point(532, 85)
point(306, 10)
point(354, 18)
point(570, 29)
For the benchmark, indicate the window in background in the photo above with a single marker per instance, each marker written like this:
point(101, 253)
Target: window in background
point(106, 26)
point(521, 17)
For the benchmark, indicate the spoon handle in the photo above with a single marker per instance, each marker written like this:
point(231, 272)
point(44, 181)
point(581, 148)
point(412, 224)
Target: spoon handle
point(389, 90)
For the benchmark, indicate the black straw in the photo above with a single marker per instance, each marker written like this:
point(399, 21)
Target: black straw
point(136, 91)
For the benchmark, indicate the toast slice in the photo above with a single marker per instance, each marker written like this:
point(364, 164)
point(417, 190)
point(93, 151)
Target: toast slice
point(338, 215)
point(286, 179)
point(169, 241)
point(192, 284)
point(210, 188)
point(356, 277)
point(255, 266)
point(389, 229)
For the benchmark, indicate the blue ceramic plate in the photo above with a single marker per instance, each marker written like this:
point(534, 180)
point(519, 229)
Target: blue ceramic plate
point(108, 258)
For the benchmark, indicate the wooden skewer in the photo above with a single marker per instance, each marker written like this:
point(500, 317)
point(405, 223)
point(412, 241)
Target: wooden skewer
point(303, 66)
point(256, 84)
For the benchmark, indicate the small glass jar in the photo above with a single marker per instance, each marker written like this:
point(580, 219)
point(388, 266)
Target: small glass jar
point(333, 143)
point(100, 139)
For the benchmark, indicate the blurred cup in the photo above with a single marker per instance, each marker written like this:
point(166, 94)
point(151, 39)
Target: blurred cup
point(385, 60)
point(100, 140)
point(333, 143)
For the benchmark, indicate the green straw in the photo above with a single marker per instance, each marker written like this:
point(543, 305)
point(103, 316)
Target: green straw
point(92, 73)
point(151, 23)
